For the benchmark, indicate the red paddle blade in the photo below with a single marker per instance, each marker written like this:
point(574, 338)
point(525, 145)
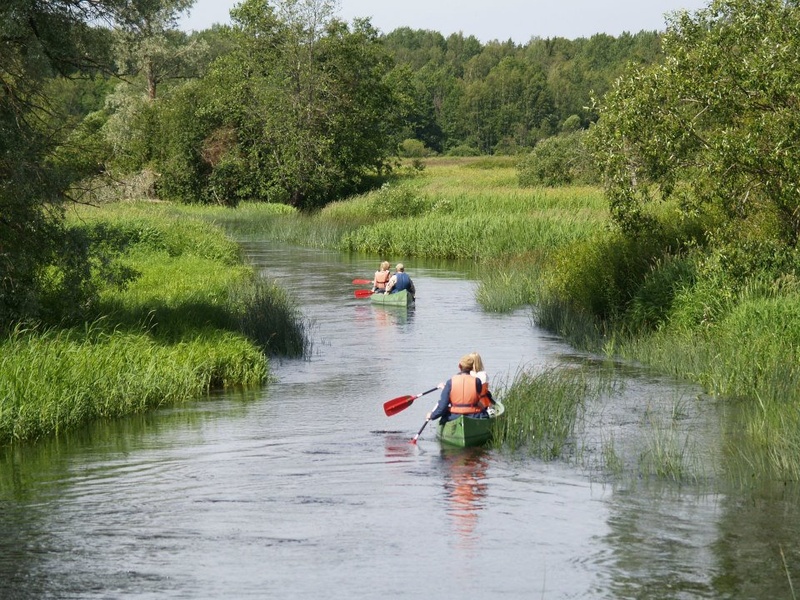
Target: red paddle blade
point(362, 281)
point(392, 407)
point(363, 293)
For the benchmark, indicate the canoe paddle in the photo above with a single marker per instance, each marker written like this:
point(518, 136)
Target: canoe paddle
point(395, 405)
point(363, 293)
point(416, 437)
point(362, 281)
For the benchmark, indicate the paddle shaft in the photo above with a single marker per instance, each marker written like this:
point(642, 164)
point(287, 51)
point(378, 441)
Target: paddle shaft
point(395, 405)
point(416, 437)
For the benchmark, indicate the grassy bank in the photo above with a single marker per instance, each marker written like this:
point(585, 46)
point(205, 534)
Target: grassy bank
point(176, 314)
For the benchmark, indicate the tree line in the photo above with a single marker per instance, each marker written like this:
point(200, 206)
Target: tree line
point(288, 104)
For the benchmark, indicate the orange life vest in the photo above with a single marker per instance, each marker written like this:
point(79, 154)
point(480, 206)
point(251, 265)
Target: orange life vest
point(464, 396)
point(381, 277)
point(485, 399)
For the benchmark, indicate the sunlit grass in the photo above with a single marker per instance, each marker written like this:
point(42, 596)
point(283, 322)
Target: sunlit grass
point(542, 409)
point(178, 314)
point(51, 381)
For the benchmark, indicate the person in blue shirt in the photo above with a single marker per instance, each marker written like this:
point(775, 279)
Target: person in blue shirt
point(400, 281)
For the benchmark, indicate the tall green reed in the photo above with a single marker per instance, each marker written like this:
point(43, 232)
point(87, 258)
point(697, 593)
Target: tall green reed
point(542, 410)
point(52, 380)
point(181, 316)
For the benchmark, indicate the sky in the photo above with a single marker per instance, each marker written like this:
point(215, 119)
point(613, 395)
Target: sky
point(518, 20)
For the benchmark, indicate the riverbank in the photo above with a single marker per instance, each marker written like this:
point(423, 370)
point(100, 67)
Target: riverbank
point(177, 314)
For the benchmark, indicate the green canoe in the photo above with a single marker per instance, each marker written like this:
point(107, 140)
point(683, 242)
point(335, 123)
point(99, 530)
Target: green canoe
point(468, 431)
point(401, 298)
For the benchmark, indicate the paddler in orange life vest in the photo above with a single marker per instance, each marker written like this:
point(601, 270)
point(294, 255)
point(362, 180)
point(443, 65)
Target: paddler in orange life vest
point(381, 277)
point(463, 394)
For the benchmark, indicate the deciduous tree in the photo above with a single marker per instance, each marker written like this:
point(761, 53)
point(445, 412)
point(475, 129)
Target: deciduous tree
point(38, 41)
point(307, 97)
point(716, 124)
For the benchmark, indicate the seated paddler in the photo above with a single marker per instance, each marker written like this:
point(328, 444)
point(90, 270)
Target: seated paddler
point(400, 281)
point(462, 395)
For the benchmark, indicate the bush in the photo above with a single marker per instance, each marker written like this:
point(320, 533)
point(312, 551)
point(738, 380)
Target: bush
point(604, 274)
point(411, 148)
point(398, 202)
point(559, 160)
point(463, 150)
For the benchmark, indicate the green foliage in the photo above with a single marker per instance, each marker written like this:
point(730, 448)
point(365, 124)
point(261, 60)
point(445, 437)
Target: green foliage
point(53, 381)
point(397, 202)
point(312, 109)
point(414, 149)
point(39, 41)
point(558, 160)
point(463, 150)
point(271, 318)
point(499, 97)
point(542, 410)
point(714, 123)
point(604, 274)
point(464, 237)
point(189, 149)
point(444, 214)
point(510, 102)
point(508, 283)
point(148, 42)
point(176, 315)
point(131, 130)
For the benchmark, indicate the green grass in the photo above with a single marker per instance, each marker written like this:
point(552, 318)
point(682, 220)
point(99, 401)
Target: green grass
point(51, 381)
point(542, 409)
point(177, 314)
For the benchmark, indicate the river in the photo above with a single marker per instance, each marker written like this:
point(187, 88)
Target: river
point(305, 489)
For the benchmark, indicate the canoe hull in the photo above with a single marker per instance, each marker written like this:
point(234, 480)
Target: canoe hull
point(466, 432)
point(401, 298)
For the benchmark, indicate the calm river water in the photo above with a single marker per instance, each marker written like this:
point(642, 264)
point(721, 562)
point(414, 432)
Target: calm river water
point(305, 489)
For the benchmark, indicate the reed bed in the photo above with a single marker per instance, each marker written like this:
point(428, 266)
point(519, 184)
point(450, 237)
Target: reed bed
point(465, 237)
point(542, 409)
point(670, 455)
point(508, 283)
point(51, 381)
point(751, 352)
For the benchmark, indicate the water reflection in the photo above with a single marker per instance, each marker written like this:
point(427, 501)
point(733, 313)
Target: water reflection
point(398, 447)
point(384, 316)
point(465, 487)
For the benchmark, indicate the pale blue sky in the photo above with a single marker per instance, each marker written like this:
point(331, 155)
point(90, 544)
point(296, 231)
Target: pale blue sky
point(487, 20)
